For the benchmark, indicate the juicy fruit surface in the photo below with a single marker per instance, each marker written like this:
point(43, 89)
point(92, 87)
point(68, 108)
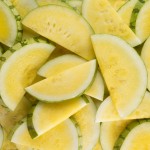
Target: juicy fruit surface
point(110, 131)
point(142, 28)
point(139, 4)
point(68, 61)
point(145, 54)
point(141, 133)
point(132, 134)
point(8, 27)
point(125, 12)
point(126, 81)
point(63, 137)
point(104, 20)
point(75, 35)
point(89, 129)
point(91, 122)
point(46, 116)
point(59, 64)
point(45, 90)
point(107, 112)
point(19, 69)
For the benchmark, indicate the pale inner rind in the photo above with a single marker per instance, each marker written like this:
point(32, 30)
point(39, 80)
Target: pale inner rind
point(123, 70)
point(62, 137)
point(55, 88)
point(8, 29)
point(20, 70)
point(47, 116)
point(135, 136)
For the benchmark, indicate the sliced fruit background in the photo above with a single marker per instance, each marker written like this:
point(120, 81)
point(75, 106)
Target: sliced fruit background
point(91, 57)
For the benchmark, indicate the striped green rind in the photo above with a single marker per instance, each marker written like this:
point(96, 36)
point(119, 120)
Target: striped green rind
point(135, 12)
point(126, 10)
point(85, 118)
point(57, 98)
point(67, 34)
point(30, 124)
point(16, 48)
point(110, 131)
point(105, 20)
point(79, 132)
point(61, 137)
point(19, 45)
point(18, 21)
point(126, 131)
point(24, 6)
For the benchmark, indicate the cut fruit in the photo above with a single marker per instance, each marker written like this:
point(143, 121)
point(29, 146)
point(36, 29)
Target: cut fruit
point(64, 62)
point(10, 27)
point(109, 133)
point(60, 64)
point(45, 116)
point(142, 27)
point(117, 3)
point(62, 137)
point(139, 4)
point(107, 112)
point(145, 54)
point(136, 136)
point(24, 6)
point(96, 90)
point(90, 130)
point(123, 71)
point(18, 46)
point(65, 85)
point(105, 20)
point(70, 31)
point(125, 12)
point(20, 70)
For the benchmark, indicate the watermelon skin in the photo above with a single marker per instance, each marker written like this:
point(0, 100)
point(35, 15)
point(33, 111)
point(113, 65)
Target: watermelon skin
point(89, 129)
point(22, 55)
point(126, 10)
point(107, 137)
point(51, 114)
point(124, 135)
point(135, 12)
point(142, 27)
point(120, 75)
point(17, 18)
point(105, 20)
point(72, 34)
point(65, 137)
